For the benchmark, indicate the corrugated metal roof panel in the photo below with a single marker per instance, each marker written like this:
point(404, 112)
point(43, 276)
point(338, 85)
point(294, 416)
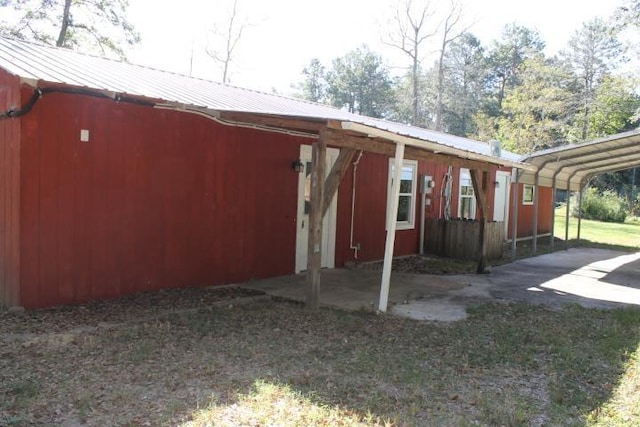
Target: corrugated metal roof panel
point(572, 165)
point(55, 65)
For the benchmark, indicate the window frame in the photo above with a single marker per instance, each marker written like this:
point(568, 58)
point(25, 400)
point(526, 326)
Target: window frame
point(474, 203)
point(528, 196)
point(410, 224)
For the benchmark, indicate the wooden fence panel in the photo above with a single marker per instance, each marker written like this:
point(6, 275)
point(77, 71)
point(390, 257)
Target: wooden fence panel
point(459, 238)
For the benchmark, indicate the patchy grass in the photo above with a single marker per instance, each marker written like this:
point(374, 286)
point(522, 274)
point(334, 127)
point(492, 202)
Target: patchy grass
point(268, 403)
point(270, 362)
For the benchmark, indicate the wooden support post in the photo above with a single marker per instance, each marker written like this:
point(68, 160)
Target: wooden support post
point(335, 176)
point(480, 187)
point(314, 254)
point(391, 229)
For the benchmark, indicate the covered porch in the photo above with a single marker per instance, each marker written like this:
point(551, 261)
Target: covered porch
point(356, 134)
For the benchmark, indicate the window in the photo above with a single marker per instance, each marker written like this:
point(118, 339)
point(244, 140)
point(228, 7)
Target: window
point(407, 201)
point(467, 200)
point(527, 194)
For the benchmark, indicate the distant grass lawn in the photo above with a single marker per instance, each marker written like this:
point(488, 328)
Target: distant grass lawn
point(626, 236)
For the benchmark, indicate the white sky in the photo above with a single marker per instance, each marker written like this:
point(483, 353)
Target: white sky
point(285, 34)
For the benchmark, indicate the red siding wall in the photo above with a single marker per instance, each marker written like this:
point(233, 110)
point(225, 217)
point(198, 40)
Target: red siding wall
point(370, 213)
point(370, 209)
point(525, 213)
point(9, 192)
point(160, 199)
point(156, 199)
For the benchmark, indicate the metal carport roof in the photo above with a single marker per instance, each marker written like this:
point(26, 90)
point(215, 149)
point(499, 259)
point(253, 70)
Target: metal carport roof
point(571, 166)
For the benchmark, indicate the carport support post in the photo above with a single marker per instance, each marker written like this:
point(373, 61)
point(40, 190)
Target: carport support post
point(553, 211)
point(514, 228)
point(566, 225)
point(534, 242)
point(391, 228)
point(314, 254)
point(580, 194)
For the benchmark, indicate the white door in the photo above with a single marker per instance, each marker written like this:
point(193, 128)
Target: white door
point(302, 221)
point(501, 199)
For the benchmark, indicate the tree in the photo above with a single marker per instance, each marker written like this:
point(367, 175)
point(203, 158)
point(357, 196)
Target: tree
point(593, 51)
point(88, 25)
point(462, 84)
point(413, 29)
point(534, 111)
point(505, 59)
point(614, 108)
point(628, 15)
point(450, 32)
point(360, 82)
point(226, 36)
point(314, 84)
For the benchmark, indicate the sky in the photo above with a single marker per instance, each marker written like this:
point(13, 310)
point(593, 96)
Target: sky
point(282, 36)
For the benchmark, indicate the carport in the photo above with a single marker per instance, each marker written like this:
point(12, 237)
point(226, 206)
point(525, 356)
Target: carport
point(571, 167)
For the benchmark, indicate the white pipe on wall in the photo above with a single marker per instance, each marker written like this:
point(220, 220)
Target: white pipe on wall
point(355, 248)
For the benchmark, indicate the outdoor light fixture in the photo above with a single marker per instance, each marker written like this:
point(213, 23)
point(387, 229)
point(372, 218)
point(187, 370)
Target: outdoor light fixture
point(297, 166)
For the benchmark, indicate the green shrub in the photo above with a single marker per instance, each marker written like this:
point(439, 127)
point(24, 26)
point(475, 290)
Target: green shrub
point(606, 206)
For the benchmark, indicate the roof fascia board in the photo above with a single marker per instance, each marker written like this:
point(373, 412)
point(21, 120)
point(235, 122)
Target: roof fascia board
point(431, 146)
point(29, 81)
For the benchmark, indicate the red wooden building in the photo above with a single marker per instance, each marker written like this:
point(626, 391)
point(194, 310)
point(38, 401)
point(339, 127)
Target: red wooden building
point(119, 179)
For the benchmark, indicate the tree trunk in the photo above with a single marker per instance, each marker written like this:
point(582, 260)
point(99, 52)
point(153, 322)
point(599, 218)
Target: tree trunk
point(414, 107)
point(439, 100)
point(66, 20)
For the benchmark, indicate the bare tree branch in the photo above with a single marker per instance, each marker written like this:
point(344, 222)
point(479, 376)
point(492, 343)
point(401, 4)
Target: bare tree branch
point(450, 33)
point(230, 35)
point(412, 31)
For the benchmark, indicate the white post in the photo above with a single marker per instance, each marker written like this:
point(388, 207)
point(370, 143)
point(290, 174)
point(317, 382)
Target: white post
point(514, 218)
point(423, 201)
point(534, 242)
point(391, 228)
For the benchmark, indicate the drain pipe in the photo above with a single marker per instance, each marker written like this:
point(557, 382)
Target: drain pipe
point(355, 248)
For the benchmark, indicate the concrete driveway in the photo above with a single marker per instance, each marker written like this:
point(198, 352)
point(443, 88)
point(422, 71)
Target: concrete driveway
point(589, 277)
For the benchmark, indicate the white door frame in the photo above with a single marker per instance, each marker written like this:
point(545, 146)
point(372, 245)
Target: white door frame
point(302, 219)
point(507, 192)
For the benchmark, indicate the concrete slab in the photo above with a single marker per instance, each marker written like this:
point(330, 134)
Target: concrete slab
point(356, 289)
point(590, 277)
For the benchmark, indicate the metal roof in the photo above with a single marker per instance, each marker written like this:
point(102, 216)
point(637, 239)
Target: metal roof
point(573, 165)
point(40, 63)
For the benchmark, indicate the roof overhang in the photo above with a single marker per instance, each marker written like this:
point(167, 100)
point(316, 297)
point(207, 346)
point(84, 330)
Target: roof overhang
point(365, 137)
point(572, 166)
point(432, 147)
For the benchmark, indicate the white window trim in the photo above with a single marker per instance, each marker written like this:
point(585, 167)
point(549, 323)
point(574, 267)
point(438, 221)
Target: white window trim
point(460, 196)
point(524, 193)
point(411, 223)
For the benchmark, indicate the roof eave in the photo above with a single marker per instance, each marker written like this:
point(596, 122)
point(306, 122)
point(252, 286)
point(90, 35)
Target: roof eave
point(433, 146)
